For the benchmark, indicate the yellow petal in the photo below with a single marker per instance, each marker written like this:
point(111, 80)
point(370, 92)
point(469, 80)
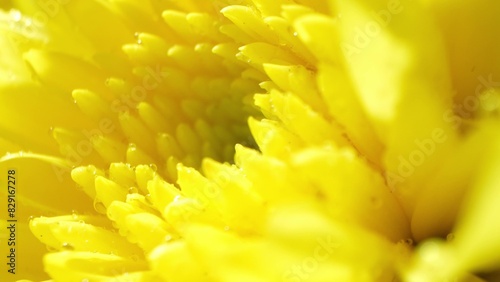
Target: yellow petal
point(273, 139)
point(475, 239)
point(104, 29)
point(48, 66)
point(40, 193)
point(108, 191)
point(143, 174)
point(299, 118)
point(353, 191)
point(148, 230)
point(242, 209)
point(122, 174)
point(249, 21)
point(474, 67)
point(20, 124)
point(26, 248)
point(441, 200)
point(175, 262)
point(81, 266)
point(76, 233)
point(336, 86)
point(162, 193)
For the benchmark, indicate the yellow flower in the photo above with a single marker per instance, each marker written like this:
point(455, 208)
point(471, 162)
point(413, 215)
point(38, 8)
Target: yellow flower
point(249, 140)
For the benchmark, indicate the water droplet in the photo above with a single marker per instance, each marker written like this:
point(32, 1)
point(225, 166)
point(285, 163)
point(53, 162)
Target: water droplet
point(153, 167)
point(51, 249)
point(135, 257)
point(67, 246)
point(31, 218)
point(227, 228)
point(407, 241)
point(15, 15)
point(110, 215)
point(123, 232)
point(11, 75)
point(99, 207)
point(136, 34)
point(168, 238)
point(295, 34)
point(133, 190)
point(450, 237)
point(282, 42)
point(81, 222)
point(132, 146)
point(74, 214)
point(148, 199)
point(139, 42)
point(85, 280)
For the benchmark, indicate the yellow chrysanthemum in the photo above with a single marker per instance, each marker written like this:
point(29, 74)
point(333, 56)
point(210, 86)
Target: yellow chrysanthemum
point(250, 140)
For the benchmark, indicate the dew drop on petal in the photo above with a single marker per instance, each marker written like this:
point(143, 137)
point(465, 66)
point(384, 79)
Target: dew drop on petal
point(99, 207)
point(133, 190)
point(408, 242)
point(148, 199)
point(15, 15)
point(450, 237)
point(123, 232)
point(135, 257)
point(67, 246)
point(153, 167)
